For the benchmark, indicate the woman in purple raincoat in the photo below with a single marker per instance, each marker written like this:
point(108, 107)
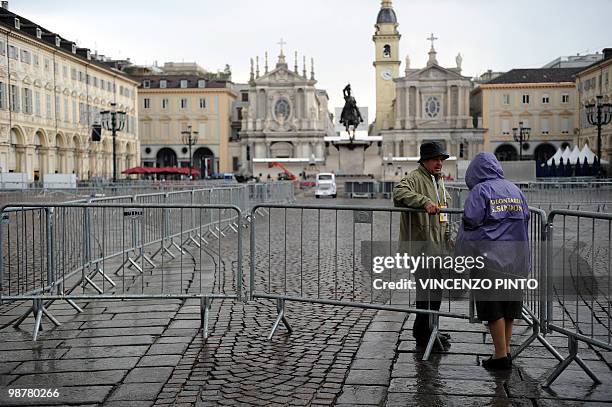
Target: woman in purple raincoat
point(495, 224)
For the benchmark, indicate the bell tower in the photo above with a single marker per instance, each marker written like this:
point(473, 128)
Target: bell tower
point(386, 63)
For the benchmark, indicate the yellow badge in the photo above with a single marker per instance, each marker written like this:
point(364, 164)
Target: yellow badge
point(443, 216)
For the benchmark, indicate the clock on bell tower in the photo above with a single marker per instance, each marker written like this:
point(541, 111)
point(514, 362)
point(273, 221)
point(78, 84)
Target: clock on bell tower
point(386, 63)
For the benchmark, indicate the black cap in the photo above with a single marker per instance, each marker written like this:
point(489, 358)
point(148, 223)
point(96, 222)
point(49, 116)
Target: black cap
point(432, 149)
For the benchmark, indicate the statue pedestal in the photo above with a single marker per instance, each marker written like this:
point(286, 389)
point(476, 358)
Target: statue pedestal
point(352, 156)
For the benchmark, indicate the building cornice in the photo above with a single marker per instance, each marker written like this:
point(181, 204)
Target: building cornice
point(527, 85)
point(595, 68)
point(53, 50)
point(149, 91)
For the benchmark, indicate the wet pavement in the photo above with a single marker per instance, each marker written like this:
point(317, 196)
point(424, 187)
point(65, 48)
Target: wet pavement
point(151, 352)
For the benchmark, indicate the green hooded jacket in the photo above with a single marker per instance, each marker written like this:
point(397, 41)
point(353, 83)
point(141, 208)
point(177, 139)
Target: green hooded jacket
point(415, 191)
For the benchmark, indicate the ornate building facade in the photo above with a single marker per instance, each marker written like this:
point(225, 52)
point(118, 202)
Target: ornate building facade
point(286, 119)
point(426, 104)
point(592, 81)
point(178, 95)
point(51, 93)
point(542, 99)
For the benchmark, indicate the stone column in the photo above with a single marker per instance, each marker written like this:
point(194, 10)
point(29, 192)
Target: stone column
point(460, 101)
point(407, 108)
point(399, 102)
point(319, 150)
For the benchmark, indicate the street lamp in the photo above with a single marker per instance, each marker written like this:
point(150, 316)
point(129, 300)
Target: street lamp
point(599, 114)
point(113, 121)
point(189, 138)
point(521, 135)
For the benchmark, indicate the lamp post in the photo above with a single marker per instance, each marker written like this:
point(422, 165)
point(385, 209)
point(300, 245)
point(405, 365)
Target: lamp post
point(599, 114)
point(520, 135)
point(113, 121)
point(190, 137)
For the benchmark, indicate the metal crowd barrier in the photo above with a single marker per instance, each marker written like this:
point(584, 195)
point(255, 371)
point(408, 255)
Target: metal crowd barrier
point(108, 251)
point(285, 267)
point(78, 249)
point(535, 301)
point(579, 283)
point(360, 189)
point(386, 189)
point(291, 263)
point(595, 196)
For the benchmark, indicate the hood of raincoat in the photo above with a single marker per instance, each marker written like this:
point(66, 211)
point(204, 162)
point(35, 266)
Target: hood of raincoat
point(484, 167)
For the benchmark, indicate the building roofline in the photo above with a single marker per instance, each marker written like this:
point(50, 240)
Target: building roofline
point(51, 46)
point(526, 85)
point(593, 67)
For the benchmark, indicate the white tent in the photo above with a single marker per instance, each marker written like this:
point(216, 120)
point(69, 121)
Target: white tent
point(555, 157)
point(586, 152)
point(574, 155)
point(566, 154)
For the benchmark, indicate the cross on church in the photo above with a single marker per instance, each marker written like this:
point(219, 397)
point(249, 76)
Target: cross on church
point(432, 39)
point(281, 43)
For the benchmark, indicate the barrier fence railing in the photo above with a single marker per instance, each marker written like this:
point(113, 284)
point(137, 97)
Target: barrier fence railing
point(105, 251)
point(136, 246)
point(83, 243)
point(286, 266)
point(595, 196)
point(579, 283)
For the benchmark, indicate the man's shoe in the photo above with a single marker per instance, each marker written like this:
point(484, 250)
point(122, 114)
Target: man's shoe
point(497, 364)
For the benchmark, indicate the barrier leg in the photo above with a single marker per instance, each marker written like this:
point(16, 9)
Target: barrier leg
point(179, 248)
point(142, 255)
point(572, 344)
point(38, 309)
point(130, 263)
point(74, 305)
point(536, 334)
point(191, 239)
point(434, 337)
point(163, 249)
point(280, 309)
point(205, 304)
point(105, 276)
point(38, 313)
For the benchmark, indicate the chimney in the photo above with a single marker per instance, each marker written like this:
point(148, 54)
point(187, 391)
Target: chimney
point(5, 5)
point(607, 53)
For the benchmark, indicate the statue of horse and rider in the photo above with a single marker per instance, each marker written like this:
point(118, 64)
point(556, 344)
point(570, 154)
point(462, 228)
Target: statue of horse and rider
point(351, 116)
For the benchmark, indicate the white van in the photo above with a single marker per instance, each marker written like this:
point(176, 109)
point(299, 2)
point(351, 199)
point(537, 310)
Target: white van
point(326, 185)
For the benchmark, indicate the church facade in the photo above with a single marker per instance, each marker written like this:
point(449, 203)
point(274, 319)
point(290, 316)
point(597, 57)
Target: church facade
point(426, 104)
point(286, 120)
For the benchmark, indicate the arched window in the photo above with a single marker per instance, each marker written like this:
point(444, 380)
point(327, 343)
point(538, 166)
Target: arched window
point(166, 157)
point(506, 152)
point(387, 51)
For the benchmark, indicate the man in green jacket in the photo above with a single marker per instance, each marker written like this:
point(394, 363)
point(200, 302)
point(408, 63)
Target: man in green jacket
point(424, 189)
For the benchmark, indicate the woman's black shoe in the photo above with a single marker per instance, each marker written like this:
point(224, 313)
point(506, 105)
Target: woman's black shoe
point(497, 364)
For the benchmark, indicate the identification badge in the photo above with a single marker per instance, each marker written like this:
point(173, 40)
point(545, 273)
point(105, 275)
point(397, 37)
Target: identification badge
point(443, 216)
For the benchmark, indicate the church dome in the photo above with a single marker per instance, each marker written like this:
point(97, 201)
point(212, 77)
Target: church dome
point(386, 15)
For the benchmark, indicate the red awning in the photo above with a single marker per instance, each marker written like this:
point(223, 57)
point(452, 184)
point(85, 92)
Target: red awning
point(161, 170)
point(136, 170)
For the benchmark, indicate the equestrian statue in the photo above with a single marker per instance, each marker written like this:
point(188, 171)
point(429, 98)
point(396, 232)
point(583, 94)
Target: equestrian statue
point(350, 113)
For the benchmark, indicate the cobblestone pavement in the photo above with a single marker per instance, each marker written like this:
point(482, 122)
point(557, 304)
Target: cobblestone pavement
point(151, 352)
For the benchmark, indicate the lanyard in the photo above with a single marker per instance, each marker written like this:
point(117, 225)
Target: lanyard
point(437, 193)
point(442, 204)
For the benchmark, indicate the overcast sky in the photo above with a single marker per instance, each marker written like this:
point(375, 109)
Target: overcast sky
point(490, 34)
